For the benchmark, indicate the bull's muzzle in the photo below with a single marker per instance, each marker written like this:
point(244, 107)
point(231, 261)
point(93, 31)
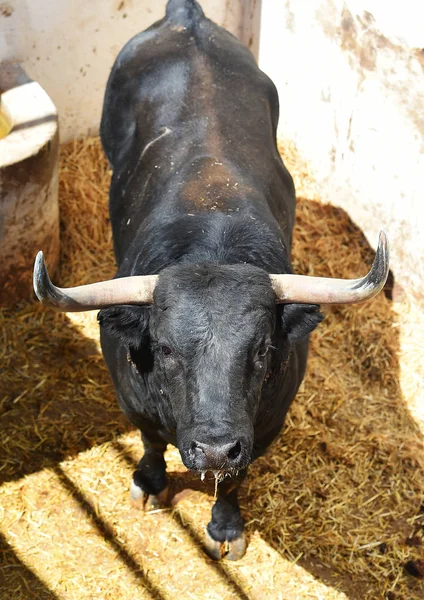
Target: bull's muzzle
point(216, 457)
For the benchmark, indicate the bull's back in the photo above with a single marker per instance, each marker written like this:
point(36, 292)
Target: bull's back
point(189, 75)
point(188, 119)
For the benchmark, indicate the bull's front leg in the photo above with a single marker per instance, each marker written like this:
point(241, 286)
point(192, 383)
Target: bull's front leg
point(149, 486)
point(225, 532)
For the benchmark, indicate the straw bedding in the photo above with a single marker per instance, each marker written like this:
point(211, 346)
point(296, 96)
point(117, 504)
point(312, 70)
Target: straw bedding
point(334, 510)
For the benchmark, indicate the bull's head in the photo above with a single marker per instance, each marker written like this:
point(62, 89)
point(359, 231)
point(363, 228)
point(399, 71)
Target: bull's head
point(210, 336)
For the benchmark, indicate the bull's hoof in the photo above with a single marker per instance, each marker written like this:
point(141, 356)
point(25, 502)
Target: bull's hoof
point(236, 548)
point(233, 550)
point(213, 549)
point(147, 502)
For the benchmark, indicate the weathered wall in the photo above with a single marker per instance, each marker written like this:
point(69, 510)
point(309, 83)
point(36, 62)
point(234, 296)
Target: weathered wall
point(69, 46)
point(350, 75)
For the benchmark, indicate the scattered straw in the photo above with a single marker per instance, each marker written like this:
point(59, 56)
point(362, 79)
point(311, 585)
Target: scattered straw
point(334, 510)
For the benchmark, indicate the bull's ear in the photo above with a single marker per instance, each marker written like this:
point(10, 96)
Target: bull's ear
point(129, 324)
point(298, 320)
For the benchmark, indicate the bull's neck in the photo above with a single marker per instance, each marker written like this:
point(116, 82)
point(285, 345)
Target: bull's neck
point(202, 209)
point(210, 237)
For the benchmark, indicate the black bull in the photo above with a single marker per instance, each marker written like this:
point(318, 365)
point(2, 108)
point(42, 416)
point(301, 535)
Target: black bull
point(212, 359)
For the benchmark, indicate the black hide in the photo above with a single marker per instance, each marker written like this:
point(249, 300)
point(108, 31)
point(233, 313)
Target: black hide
point(200, 195)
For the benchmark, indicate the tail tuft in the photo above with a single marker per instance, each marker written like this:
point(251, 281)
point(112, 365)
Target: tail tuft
point(184, 12)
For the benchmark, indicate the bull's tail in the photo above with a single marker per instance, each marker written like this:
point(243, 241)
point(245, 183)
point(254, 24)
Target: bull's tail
point(184, 12)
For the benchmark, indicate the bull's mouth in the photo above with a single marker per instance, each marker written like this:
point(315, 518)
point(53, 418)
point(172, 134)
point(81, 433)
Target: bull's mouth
point(219, 475)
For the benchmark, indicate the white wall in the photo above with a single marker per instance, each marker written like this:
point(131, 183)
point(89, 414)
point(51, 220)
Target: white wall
point(350, 76)
point(69, 46)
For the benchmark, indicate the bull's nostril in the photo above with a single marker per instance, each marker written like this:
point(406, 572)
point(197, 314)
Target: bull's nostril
point(234, 451)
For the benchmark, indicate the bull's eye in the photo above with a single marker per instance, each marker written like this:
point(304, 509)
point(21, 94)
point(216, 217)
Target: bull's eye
point(262, 352)
point(166, 350)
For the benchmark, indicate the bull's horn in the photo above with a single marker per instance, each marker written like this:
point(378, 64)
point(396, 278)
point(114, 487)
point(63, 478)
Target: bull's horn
point(126, 290)
point(324, 290)
point(138, 289)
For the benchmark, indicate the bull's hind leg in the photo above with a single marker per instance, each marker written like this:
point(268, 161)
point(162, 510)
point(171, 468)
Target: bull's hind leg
point(225, 533)
point(149, 487)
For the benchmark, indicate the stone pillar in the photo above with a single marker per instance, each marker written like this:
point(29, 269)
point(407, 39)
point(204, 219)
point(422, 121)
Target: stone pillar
point(29, 159)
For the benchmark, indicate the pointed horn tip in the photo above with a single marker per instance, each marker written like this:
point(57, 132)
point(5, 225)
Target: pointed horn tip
point(40, 277)
point(374, 281)
point(383, 241)
point(383, 253)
